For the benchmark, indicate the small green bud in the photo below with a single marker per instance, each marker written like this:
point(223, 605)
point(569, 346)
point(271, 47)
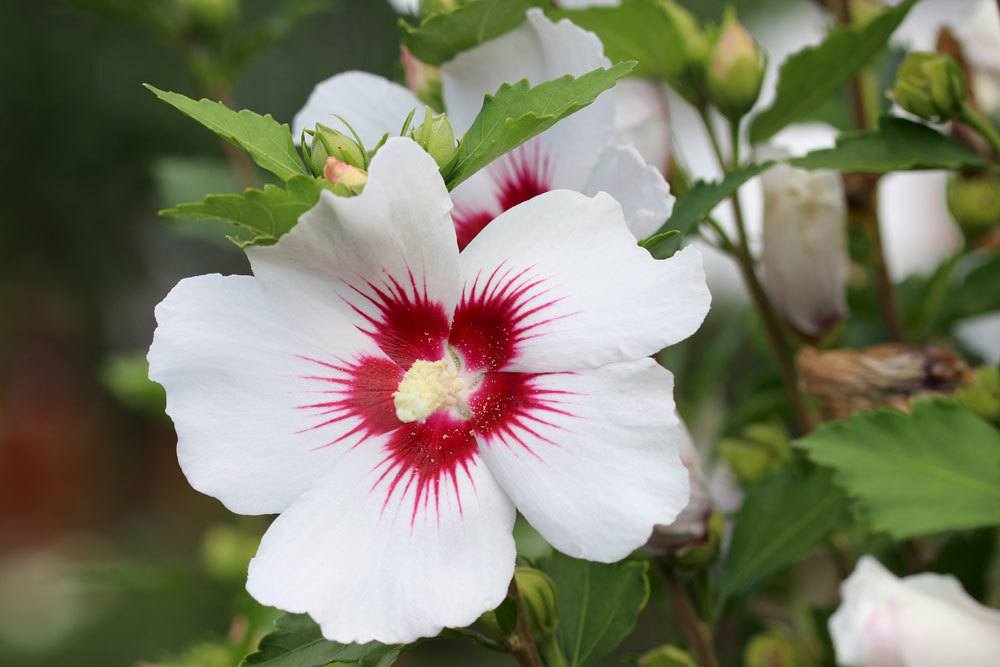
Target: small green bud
point(695, 46)
point(428, 7)
point(667, 656)
point(736, 70)
point(697, 556)
point(330, 143)
point(209, 17)
point(930, 85)
point(974, 202)
point(539, 596)
point(760, 450)
point(436, 136)
point(772, 650)
point(423, 80)
point(345, 176)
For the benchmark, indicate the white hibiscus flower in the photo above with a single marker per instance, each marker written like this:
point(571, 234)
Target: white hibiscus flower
point(395, 400)
point(580, 153)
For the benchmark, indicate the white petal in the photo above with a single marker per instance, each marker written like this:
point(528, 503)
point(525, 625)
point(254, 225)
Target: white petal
point(406, 6)
point(371, 104)
point(538, 50)
point(396, 236)
point(366, 570)
point(597, 472)
point(593, 296)
point(916, 248)
point(642, 118)
point(640, 189)
point(232, 355)
point(922, 621)
point(981, 334)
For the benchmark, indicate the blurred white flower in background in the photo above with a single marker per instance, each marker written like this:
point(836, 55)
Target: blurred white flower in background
point(924, 620)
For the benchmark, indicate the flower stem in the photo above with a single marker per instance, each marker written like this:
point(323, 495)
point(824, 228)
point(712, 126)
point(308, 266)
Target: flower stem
point(521, 644)
point(697, 632)
point(982, 125)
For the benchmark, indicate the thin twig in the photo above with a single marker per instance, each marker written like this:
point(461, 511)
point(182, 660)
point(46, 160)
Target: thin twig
point(698, 633)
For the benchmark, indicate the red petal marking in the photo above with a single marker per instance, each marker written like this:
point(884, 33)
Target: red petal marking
point(490, 320)
point(409, 326)
point(421, 454)
point(510, 405)
point(517, 177)
point(361, 390)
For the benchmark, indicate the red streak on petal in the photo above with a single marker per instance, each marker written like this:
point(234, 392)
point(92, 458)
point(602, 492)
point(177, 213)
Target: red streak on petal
point(517, 177)
point(409, 325)
point(419, 455)
point(510, 406)
point(491, 318)
point(360, 391)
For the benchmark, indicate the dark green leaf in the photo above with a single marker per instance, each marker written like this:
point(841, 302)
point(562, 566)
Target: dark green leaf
point(442, 36)
point(704, 196)
point(597, 604)
point(897, 145)
point(266, 214)
point(519, 112)
point(934, 470)
point(977, 292)
point(298, 642)
point(267, 141)
point(809, 77)
point(781, 520)
point(640, 30)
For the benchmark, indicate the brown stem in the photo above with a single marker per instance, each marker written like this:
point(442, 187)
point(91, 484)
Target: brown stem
point(697, 632)
point(522, 644)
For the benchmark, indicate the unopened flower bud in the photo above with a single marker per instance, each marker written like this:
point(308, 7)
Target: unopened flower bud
point(329, 143)
point(539, 596)
point(845, 381)
point(436, 136)
point(805, 247)
point(343, 174)
point(694, 49)
point(423, 80)
point(667, 656)
point(699, 555)
point(736, 70)
point(226, 552)
point(772, 650)
point(931, 86)
point(209, 17)
point(760, 450)
point(974, 202)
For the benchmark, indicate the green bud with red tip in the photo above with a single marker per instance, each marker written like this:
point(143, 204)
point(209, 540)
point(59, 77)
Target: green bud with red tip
point(735, 70)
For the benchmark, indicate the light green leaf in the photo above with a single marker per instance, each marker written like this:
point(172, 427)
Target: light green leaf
point(267, 141)
point(640, 30)
point(781, 520)
point(519, 112)
point(442, 36)
point(597, 604)
point(897, 145)
point(934, 470)
point(298, 642)
point(266, 214)
point(698, 202)
point(810, 76)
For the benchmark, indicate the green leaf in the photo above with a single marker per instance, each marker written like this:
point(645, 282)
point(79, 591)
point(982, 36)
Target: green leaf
point(698, 202)
point(640, 30)
point(934, 470)
point(810, 76)
point(597, 604)
point(442, 36)
point(781, 520)
point(298, 642)
point(977, 291)
point(519, 112)
point(267, 141)
point(897, 145)
point(266, 214)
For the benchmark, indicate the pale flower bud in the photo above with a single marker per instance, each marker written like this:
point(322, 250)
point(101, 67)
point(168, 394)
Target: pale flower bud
point(694, 48)
point(539, 596)
point(341, 173)
point(805, 247)
point(436, 136)
point(974, 202)
point(924, 620)
point(930, 85)
point(330, 143)
point(736, 70)
point(422, 79)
